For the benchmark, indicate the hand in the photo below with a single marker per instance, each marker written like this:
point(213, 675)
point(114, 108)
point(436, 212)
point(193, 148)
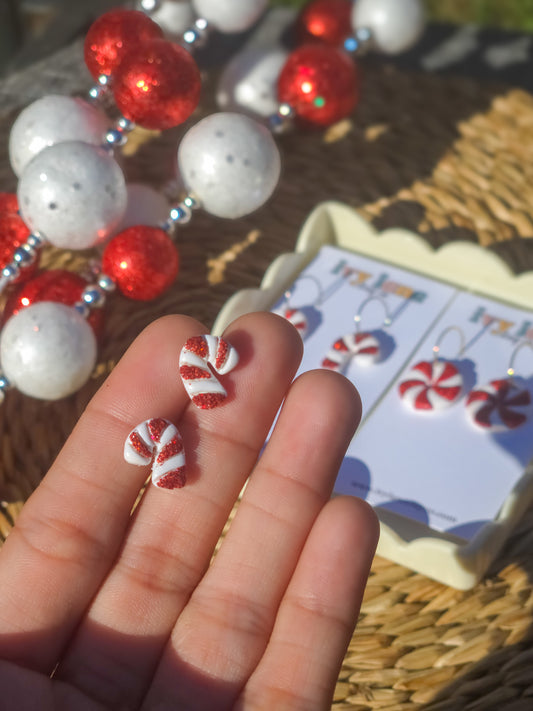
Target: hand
point(105, 610)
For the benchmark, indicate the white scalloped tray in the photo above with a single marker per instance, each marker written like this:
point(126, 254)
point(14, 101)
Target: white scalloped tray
point(461, 264)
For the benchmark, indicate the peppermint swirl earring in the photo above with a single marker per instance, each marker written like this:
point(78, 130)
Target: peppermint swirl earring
point(434, 385)
point(501, 405)
point(363, 346)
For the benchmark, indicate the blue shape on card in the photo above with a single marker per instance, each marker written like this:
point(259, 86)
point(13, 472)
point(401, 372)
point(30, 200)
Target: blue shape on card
point(408, 509)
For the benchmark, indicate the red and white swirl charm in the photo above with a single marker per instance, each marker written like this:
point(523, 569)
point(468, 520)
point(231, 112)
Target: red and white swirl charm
point(499, 406)
point(196, 356)
point(432, 385)
point(158, 442)
point(297, 318)
point(363, 346)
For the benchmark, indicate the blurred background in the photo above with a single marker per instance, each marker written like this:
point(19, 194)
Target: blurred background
point(32, 29)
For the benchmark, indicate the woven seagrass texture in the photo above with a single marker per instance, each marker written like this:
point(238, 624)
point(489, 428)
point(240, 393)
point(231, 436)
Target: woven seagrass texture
point(447, 157)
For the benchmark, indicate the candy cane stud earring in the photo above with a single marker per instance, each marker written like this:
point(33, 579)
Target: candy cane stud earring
point(436, 384)
point(363, 346)
point(158, 442)
point(196, 356)
point(501, 405)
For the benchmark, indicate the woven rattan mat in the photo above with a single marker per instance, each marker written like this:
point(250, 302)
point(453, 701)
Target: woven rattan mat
point(447, 157)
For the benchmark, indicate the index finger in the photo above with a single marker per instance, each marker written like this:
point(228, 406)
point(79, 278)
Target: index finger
point(70, 530)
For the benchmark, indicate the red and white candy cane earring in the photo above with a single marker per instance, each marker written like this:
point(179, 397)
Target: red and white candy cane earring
point(501, 405)
point(433, 385)
point(158, 442)
point(196, 356)
point(300, 316)
point(363, 346)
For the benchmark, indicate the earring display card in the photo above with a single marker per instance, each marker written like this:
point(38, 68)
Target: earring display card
point(445, 448)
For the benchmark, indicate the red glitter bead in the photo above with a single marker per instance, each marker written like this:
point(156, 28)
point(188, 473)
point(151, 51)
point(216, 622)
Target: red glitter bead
point(143, 262)
point(328, 21)
point(320, 83)
point(112, 35)
point(13, 234)
point(9, 204)
point(158, 87)
point(57, 285)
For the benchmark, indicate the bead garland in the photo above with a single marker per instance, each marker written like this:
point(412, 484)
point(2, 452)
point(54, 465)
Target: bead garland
point(72, 193)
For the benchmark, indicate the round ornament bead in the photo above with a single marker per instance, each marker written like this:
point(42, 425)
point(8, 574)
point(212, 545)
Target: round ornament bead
point(320, 83)
point(143, 261)
point(57, 285)
point(51, 120)
point(250, 82)
point(327, 21)
point(158, 87)
point(47, 351)
point(395, 25)
point(230, 16)
point(145, 206)
point(13, 234)
point(9, 204)
point(112, 35)
point(174, 17)
point(230, 162)
point(73, 193)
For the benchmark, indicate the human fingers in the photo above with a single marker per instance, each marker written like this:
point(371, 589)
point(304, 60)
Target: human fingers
point(172, 537)
point(70, 530)
point(318, 613)
point(223, 632)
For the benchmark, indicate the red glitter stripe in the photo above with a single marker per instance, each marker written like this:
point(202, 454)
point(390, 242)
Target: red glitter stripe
point(222, 353)
point(206, 401)
point(368, 350)
point(422, 402)
point(521, 399)
point(447, 393)
point(512, 419)
point(156, 428)
point(425, 367)
point(483, 415)
point(198, 346)
point(175, 479)
point(171, 448)
point(407, 385)
point(479, 395)
point(192, 372)
point(450, 371)
point(327, 363)
point(140, 446)
point(340, 345)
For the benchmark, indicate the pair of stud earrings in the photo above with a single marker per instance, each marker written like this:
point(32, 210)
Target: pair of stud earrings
point(157, 441)
point(499, 406)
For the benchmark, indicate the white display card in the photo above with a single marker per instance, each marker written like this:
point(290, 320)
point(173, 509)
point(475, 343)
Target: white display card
point(432, 465)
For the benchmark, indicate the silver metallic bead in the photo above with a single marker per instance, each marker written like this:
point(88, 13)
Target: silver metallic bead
point(149, 6)
point(4, 383)
point(191, 202)
point(282, 119)
point(125, 125)
point(36, 240)
point(23, 257)
point(197, 35)
point(181, 214)
point(115, 137)
point(106, 283)
point(360, 43)
point(10, 271)
point(82, 309)
point(93, 296)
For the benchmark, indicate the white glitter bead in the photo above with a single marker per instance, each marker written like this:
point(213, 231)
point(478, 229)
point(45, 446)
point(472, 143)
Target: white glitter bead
point(230, 15)
point(47, 350)
point(396, 25)
point(230, 162)
point(53, 119)
point(174, 17)
point(250, 82)
point(73, 193)
point(145, 206)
